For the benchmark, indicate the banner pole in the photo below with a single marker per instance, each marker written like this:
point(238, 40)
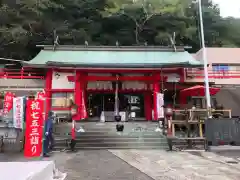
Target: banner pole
point(206, 79)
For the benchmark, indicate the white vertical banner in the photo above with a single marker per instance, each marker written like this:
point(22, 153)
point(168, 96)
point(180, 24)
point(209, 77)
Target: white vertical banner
point(160, 103)
point(18, 112)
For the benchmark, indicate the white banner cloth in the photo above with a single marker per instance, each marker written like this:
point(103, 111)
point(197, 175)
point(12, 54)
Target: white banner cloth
point(160, 103)
point(18, 112)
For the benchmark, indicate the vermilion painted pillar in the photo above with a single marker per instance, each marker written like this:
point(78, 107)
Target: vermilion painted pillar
point(83, 109)
point(85, 94)
point(148, 106)
point(156, 89)
point(78, 93)
point(77, 101)
point(48, 93)
point(148, 103)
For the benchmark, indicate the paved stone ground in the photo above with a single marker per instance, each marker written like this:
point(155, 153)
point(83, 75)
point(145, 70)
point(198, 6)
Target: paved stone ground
point(232, 154)
point(181, 165)
point(90, 165)
point(99, 165)
point(143, 165)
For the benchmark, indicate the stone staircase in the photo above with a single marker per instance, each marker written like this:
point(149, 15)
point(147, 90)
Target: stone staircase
point(97, 135)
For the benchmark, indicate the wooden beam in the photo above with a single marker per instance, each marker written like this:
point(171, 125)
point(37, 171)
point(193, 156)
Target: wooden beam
point(121, 78)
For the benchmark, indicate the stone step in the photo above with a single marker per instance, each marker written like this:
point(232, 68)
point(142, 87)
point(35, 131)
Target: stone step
point(104, 136)
point(115, 136)
point(106, 126)
point(114, 145)
point(59, 148)
point(115, 142)
point(183, 144)
point(111, 140)
point(108, 131)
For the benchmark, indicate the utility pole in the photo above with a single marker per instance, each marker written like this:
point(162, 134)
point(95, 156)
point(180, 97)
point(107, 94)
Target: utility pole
point(206, 80)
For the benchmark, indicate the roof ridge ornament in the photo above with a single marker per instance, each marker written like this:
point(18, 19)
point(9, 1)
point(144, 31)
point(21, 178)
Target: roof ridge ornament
point(56, 40)
point(86, 43)
point(117, 43)
point(173, 41)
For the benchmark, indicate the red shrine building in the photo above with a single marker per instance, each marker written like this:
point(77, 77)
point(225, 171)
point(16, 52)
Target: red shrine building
point(91, 76)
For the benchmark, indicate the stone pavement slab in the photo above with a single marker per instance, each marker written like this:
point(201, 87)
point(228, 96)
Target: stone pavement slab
point(99, 165)
point(181, 165)
point(141, 165)
point(89, 165)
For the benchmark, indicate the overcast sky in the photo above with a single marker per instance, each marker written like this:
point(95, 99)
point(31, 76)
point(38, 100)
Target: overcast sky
point(229, 7)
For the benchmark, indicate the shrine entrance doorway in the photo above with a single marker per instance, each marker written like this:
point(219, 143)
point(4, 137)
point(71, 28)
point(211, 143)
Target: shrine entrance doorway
point(132, 104)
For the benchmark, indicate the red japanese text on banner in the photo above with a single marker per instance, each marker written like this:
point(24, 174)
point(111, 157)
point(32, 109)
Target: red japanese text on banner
point(8, 103)
point(34, 128)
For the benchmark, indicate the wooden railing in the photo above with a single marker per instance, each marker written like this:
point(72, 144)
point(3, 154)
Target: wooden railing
point(203, 111)
point(21, 74)
point(193, 73)
point(194, 116)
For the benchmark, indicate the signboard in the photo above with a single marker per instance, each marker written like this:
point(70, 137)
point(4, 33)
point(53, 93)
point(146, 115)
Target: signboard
point(60, 80)
point(172, 77)
point(34, 128)
point(160, 103)
point(8, 103)
point(18, 112)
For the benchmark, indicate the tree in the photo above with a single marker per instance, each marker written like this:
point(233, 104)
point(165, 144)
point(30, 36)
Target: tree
point(140, 12)
point(104, 22)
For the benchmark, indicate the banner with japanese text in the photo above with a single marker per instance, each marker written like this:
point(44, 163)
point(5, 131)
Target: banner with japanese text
point(18, 112)
point(8, 103)
point(160, 103)
point(34, 128)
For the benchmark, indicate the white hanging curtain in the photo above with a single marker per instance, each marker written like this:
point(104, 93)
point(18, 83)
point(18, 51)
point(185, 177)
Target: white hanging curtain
point(116, 106)
point(83, 109)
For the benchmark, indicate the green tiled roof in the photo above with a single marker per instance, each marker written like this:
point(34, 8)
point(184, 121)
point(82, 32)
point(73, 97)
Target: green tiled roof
point(93, 58)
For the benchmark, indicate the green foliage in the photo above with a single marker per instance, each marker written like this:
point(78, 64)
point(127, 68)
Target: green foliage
point(26, 23)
